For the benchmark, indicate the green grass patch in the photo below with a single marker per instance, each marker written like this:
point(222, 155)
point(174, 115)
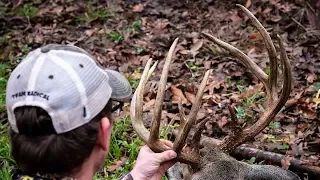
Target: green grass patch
point(274, 125)
point(3, 82)
point(6, 161)
point(95, 13)
point(253, 161)
point(5, 158)
point(116, 36)
point(129, 30)
point(5, 171)
point(28, 10)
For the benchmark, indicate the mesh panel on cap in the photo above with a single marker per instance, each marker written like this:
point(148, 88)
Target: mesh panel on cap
point(95, 81)
point(55, 82)
point(86, 69)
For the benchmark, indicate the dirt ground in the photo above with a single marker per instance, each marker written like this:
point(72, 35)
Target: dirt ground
point(123, 35)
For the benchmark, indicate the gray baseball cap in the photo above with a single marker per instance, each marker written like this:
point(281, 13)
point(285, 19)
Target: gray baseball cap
point(65, 81)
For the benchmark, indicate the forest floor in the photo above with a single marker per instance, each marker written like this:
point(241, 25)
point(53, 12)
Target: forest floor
point(123, 35)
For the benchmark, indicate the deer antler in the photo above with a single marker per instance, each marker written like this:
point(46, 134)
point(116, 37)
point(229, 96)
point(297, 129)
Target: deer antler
point(275, 103)
point(152, 138)
point(239, 135)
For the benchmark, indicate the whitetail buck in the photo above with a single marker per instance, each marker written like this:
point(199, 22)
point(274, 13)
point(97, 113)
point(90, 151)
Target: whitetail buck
point(216, 164)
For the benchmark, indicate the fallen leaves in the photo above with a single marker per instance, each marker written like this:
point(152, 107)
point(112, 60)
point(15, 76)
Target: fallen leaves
point(160, 24)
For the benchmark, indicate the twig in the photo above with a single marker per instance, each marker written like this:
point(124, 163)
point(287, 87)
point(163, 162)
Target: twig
point(300, 24)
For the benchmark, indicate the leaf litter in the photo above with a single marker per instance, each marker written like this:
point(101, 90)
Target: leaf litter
point(123, 35)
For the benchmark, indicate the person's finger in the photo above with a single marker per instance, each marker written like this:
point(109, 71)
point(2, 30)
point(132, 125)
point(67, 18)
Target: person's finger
point(165, 156)
point(166, 165)
point(167, 143)
point(145, 148)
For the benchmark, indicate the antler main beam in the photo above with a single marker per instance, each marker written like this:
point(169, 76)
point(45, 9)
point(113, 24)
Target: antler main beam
point(275, 103)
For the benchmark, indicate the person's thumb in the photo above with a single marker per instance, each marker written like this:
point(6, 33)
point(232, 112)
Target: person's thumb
point(165, 156)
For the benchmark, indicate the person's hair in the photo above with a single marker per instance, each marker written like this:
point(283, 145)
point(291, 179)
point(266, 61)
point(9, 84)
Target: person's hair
point(37, 148)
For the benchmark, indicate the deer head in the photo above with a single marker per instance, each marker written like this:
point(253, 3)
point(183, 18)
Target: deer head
point(216, 163)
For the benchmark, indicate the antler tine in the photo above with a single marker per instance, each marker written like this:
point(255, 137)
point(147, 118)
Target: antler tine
point(271, 52)
point(254, 68)
point(181, 138)
point(154, 133)
point(136, 112)
point(286, 71)
point(151, 70)
point(197, 136)
point(136, 108)
point(286, 87)
point(183, 118)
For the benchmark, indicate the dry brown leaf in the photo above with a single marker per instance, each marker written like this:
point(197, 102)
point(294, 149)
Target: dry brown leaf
point(222, 121)
point(267, 10)
point(38, 38)
point(202, 113)
point(58, 10)
point(235, 18)
point(256, 36)
point(72, 8)
point(184, 51)
point(207, 64)
point(307, 112)
point(196, 46)
point(136, 75)
point(118, 164)
point(190, 97)
point(16, 2)
point(276, 18)
point(161, 24)
point(43, 11)
point(251, 91)
point(138, 8)
point(47, 10)
point(214, 83)
point(311, 77)
point(178, 93)
point(89, 32)
point(147, 106)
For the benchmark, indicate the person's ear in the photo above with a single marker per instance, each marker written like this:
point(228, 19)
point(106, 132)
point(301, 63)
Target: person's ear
point(104, 133)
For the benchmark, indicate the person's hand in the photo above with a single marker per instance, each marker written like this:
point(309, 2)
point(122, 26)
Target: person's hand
point(150, 165)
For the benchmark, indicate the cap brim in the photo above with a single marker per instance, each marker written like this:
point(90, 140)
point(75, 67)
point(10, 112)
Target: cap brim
point(121, 89)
